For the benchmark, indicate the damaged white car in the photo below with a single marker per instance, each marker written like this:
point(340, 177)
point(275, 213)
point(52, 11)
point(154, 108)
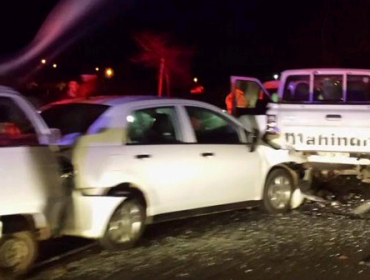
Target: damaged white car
point(139, 160)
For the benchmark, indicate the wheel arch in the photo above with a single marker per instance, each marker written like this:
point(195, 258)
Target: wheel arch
point(129, 190)
point(18, 222)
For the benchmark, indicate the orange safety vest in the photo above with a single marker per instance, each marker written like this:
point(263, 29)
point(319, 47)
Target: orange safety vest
point(241, 101)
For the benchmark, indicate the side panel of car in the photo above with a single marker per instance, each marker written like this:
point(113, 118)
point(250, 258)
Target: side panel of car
point(160, 155)
point(231, 170)
point(103, 161)
point(172, 170)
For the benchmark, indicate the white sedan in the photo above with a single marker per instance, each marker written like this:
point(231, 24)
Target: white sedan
point(142, 159)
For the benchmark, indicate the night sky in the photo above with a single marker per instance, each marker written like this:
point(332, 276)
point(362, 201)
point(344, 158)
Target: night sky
point(234, 37)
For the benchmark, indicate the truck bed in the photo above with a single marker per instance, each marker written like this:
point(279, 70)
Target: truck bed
point(324, 127)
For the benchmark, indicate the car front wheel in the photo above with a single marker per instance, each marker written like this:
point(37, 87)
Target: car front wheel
point(278, 191)
point(18, 252)
point(125, 227)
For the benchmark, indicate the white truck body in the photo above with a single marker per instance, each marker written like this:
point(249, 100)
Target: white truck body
point(322, 114)
point(342, 121)
point(29, 171)
point(32, 197)
point(330, 122)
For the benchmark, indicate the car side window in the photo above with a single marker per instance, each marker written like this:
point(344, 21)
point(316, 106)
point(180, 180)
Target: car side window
point(212, 128)
point(15, 127)
point(153, 126)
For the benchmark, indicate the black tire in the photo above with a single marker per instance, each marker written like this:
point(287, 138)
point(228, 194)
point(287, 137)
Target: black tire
point(268, 203)
point(17, 267)
point(109, 242)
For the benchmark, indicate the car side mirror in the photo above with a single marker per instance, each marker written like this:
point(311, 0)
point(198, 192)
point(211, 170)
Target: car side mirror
point(55, 136)
point(252, 138)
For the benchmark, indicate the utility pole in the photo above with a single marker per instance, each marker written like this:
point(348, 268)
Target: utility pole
point(160, 82)
point(168, 83)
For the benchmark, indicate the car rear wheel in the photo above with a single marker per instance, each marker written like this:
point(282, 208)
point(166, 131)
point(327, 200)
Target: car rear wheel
point(125, 227)
point(18, 252)
point(278, 191)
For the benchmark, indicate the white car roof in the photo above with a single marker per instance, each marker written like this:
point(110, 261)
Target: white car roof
point(114, 101)
point(111, 100)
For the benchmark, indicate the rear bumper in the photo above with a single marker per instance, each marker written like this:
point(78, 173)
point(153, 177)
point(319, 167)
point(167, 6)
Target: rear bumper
point(88, 216)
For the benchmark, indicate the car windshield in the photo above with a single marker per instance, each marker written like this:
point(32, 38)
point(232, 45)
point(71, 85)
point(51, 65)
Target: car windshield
point(73, 118)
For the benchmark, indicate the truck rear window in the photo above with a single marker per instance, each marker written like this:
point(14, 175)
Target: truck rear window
point(358, 88)
point(297, 88)
point(329, 88)
point(73, 118)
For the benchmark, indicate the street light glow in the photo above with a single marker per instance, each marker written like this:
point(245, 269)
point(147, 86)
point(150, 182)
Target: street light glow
point(97, 69)
point(109, 72)
point(276, 76)
point(55, 66)
point(195, 80)
point(43, 61)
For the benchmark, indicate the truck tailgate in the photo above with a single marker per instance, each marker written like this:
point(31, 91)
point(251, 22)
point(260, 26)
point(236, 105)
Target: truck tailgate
point(324, 127)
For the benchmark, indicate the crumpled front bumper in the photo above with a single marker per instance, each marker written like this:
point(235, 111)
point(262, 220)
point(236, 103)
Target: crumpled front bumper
point(88, 216)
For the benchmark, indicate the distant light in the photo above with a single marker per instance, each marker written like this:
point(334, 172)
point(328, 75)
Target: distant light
point(195, 80)
point(276, 76)
point(109, 73)
point(55, 66)
point(130, 119)
point(43, 61)
point(97, 69)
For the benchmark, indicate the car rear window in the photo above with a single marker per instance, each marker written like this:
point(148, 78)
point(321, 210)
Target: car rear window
point(73, 118)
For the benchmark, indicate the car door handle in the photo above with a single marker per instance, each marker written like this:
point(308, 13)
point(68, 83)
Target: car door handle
point(333, 117)
point(208, 154)
point(143, 156)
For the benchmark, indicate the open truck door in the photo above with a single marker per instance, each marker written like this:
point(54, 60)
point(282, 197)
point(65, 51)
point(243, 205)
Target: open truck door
point(248, 101)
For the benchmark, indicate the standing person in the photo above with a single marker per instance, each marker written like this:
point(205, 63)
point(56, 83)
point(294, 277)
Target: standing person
point(88, 86)
point(72, 90)
point(241, 101)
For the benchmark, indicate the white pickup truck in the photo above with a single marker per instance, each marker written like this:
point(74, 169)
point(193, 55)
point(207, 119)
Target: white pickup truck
point(321, 114)
point(32, 196)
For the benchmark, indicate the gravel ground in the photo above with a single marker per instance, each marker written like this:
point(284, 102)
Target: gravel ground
point(305, 244)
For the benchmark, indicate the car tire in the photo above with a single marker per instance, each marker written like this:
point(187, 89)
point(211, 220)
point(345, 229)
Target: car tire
point(278, 191)
point(18, 252)
point(125, 226)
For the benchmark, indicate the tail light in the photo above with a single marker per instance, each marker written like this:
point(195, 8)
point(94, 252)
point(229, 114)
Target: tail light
point(271, 125)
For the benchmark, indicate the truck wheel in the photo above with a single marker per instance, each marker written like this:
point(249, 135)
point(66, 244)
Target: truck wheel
point(125, 227)
point(18, 252)
point(278, 191)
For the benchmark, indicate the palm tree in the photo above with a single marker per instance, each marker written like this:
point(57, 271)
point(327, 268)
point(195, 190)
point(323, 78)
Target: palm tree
point(157, 51)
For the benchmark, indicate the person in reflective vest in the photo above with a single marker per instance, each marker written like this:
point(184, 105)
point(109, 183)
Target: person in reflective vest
point(241, 101)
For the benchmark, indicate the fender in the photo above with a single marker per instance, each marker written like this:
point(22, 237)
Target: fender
point(88, 216)
point(111, 179)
